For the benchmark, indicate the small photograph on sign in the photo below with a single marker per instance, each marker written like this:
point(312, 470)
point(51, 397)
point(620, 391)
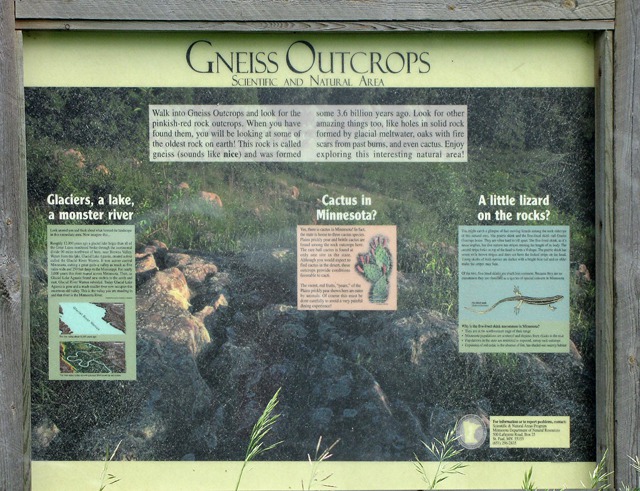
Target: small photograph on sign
point(87, 357)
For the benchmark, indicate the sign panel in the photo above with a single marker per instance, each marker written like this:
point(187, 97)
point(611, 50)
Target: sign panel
point(369, 243)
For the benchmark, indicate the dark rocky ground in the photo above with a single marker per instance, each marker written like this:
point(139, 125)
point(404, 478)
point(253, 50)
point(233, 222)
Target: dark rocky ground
point(217, 336)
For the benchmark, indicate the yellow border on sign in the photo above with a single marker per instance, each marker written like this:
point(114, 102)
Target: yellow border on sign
point(270, 476)
point(152, 59)
point(456, 60)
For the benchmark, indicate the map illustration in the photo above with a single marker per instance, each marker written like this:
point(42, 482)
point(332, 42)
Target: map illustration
point(86, 318)
point(90, 357)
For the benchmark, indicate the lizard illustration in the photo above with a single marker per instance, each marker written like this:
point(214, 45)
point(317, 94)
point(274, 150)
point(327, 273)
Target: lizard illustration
point(520, 298)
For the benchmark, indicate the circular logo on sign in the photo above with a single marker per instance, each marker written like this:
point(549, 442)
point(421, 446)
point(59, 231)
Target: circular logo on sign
point(471, 431)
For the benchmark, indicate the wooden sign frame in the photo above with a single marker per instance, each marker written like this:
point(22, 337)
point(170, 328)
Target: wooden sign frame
point(617, 28)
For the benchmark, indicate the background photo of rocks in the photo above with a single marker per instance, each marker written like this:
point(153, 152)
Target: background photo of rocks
point(218, 331)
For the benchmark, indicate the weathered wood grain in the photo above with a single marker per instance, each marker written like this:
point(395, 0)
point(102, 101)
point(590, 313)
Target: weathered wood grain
point(13, 261)
point(605, 430)
point(627, 238)
point(24, 259)
point(325, 26)
point(292, 10)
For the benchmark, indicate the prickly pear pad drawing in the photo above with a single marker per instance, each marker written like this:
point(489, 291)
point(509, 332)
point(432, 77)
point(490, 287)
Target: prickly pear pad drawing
point(376, 265)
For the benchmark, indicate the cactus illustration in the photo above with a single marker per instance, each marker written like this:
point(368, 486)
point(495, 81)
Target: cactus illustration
point(375, 265)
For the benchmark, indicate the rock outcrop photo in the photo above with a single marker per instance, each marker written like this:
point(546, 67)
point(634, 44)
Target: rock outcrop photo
point(217, 327)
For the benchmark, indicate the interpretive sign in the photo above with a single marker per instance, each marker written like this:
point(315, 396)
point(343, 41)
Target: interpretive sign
point(347, 268)
point(91, 301)
point(492, 260)
point(387, 240)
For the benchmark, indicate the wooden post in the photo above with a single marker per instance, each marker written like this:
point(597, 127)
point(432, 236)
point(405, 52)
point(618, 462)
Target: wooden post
point(627, 238)
point(14, 271)
point(605, 431)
